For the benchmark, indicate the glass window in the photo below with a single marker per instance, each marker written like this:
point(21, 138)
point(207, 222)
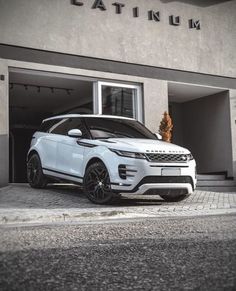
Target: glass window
point(117, 128)
point(76, 123)
point(118, 101)
point(66, 124)
point(45, 126)
point(58, 127)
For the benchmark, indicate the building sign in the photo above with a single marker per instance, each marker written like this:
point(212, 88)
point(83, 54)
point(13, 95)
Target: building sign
point(152, 15)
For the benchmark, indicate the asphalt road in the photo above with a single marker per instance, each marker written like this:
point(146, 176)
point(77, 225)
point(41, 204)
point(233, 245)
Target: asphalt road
point(197, 253)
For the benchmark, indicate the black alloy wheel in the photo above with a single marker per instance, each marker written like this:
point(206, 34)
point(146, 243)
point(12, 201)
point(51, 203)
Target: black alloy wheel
point(97, 185)
point(35, 175)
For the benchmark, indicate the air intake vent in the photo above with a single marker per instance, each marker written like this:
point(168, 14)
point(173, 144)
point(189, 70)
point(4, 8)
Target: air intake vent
point(124, 172)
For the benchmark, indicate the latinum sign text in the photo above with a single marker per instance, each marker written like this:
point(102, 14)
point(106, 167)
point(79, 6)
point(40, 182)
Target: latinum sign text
point(151, 14)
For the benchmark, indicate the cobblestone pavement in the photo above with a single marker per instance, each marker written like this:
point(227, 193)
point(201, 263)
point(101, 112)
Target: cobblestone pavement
point(21, 204)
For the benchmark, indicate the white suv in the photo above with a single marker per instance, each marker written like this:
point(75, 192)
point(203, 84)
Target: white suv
point(109, 155)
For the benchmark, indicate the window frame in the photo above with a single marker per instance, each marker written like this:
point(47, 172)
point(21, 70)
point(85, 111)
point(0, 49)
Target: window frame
point(137, 98)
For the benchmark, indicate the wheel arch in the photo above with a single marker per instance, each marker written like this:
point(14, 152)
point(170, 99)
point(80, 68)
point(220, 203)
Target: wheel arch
point(97, 159)
point(31, 153)
point(92, 161)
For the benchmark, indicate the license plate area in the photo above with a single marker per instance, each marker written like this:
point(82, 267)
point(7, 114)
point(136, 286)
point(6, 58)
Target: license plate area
point(171, 172)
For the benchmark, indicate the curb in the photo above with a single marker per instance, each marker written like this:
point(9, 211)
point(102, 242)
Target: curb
point(26, 216)
point(46, 216)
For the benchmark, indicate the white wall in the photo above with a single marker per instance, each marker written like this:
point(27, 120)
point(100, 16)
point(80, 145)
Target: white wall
point(56, 25)
point(4, 128)
point(155, 102)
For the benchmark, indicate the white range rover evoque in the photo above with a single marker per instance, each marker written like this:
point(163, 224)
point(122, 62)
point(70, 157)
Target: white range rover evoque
point(109, 156)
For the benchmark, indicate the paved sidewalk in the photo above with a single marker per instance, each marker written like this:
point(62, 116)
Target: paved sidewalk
point(21, 204)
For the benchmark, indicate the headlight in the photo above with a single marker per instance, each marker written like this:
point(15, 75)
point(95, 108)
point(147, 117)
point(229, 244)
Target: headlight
point(129, 154)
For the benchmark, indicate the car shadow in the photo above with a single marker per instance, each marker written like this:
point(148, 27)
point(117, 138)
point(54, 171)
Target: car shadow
point(70, 189)
point(125, 201)
point(121, 201)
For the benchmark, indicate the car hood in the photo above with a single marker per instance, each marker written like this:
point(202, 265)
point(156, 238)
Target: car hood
point(142, 145)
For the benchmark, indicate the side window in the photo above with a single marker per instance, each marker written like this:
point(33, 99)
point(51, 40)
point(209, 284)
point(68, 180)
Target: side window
point(77, 123)
point(62, 126)
point(43, 127)
point(46, 125)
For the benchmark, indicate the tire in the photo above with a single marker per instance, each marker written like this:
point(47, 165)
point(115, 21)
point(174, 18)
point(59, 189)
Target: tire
point(97, 185)
point(35, 175)
point(176, 198)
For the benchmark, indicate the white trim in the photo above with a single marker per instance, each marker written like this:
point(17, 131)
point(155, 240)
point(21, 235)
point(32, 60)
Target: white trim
point(99, 97)
point(95, 97)
point(137, 97)
point(87, 115)
point(112, 84)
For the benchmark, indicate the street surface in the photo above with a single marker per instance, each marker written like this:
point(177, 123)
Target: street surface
point(177, 253)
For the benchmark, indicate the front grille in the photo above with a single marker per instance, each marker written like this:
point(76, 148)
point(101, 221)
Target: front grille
point(168, 158)
point(172, 192)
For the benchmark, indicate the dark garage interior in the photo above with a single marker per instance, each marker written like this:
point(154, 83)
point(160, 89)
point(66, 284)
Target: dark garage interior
point(34, 96)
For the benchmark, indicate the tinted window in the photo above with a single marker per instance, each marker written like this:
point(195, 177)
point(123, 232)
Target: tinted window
point(118, 101)
point(46, 125)
point(117, 128)
point(59, 127)
point(77, 123)
point(64, 125)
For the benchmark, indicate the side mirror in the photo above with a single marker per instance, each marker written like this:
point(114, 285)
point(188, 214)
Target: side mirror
point(74, 133)
point(158, 136)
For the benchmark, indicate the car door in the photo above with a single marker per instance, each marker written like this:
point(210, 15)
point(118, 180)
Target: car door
point(47, 144)
point(69, 152)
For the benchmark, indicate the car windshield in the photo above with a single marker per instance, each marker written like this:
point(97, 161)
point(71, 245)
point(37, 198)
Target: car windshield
point(101, 128)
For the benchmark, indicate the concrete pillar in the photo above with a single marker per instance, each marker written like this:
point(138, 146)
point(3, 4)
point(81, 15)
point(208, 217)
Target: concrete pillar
point(155, 102)
point(232, 95)
point(4, 124)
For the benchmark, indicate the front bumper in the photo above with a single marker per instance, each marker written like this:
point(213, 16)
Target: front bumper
point(164, 189)
point(143, 177)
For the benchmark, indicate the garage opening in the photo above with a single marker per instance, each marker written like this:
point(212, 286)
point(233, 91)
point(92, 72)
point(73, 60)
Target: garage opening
point(34, 96)
point(201, 119)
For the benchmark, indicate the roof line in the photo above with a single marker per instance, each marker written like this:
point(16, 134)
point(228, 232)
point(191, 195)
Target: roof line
point(87, 115)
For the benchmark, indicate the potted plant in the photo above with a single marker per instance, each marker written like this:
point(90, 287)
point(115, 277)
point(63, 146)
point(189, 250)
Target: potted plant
point(165, 127)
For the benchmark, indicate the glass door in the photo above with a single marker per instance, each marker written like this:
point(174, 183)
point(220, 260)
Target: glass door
point(117, 99)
